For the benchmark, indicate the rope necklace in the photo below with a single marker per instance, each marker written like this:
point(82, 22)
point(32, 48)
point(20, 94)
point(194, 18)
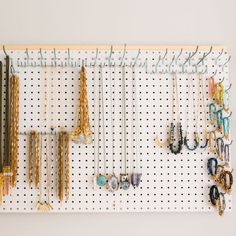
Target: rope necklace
point(124, 177)
point(195, 140)
point(112, 182)
point(101, 178)
point(178, 125)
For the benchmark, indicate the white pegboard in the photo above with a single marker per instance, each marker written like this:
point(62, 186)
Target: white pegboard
point(169, 182)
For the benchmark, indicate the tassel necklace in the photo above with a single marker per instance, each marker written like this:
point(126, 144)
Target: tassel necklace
point(175, 150)
point(196, 139)
point(136, 175)
point(82, 133)
point(113, 181)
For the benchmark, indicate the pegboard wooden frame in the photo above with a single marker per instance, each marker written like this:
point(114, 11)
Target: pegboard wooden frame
point(169, 182)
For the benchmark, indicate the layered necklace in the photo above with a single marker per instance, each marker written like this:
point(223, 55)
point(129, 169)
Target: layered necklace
point(175, 104)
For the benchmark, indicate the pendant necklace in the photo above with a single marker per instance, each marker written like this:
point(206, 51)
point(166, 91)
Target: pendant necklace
point(113, 181)
point(136, 175)
point(178, 148)
point(96, 128)
point(124, 177)
point(101, 178)
point(196, 139)
point(226, 99)
point(201, 106)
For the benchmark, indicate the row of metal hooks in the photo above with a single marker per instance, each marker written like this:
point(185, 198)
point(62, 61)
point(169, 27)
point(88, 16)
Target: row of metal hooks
point(172, 67)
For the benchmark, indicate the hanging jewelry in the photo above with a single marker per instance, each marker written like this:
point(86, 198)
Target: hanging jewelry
point(44, 206)
point(226, 154)
point(220, 148)
point(136, 175)
point(212, 164)
point(7, 172)
point(214, 195)
point(14, 127)
point(212, 113)
point(63, 157)
point(101, 178)
point(212, 88)
point(96, 127)
point(219, 93)
point(222, 204)
point(1, 135)
point(226, 127)
point(113, 181)
point(124, 177)
point(83, 133)
point(202, 106)
point(212, 142)
point(196, 138)
point(178, 149)
point(226, 99)
point(219, 118)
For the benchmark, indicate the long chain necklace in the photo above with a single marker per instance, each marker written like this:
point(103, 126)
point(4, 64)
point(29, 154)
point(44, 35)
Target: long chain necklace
point(124, 177)
point(136, 175)
point(113, 181)
point(101, 178)
point(178, 125)
point(195, 141)
point(1, 135)
point(201, 104)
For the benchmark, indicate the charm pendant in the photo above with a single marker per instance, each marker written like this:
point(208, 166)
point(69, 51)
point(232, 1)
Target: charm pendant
point(112, 183)
point(212, 113)
point(214, 195)
point(101, 180)
point(219, 117)
point(212, 166)
point(226, 127)
point(135, 179)
point(125, 183)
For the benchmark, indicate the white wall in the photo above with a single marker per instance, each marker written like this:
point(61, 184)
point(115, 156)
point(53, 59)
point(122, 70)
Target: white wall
point(131, 22)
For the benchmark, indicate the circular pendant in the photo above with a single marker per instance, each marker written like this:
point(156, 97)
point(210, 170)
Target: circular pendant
point(113, 183)
point(101, 180)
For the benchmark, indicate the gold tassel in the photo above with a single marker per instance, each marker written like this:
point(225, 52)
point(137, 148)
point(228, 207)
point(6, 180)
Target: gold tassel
point(83, 133)
point(60, 167)
point(14, 127)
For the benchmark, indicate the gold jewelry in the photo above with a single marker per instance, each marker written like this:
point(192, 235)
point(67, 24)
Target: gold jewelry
point(14, 126)
point(63, 157)
point(82, 133)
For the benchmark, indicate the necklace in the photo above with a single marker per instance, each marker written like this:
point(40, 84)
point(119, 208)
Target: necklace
point(136, 175)
point(82, 133)
point(124, 177)
point(201, 104)
point(179, 125)
point(196, 139)
point(113, 181)
point(101, 178)
point(1, 135)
